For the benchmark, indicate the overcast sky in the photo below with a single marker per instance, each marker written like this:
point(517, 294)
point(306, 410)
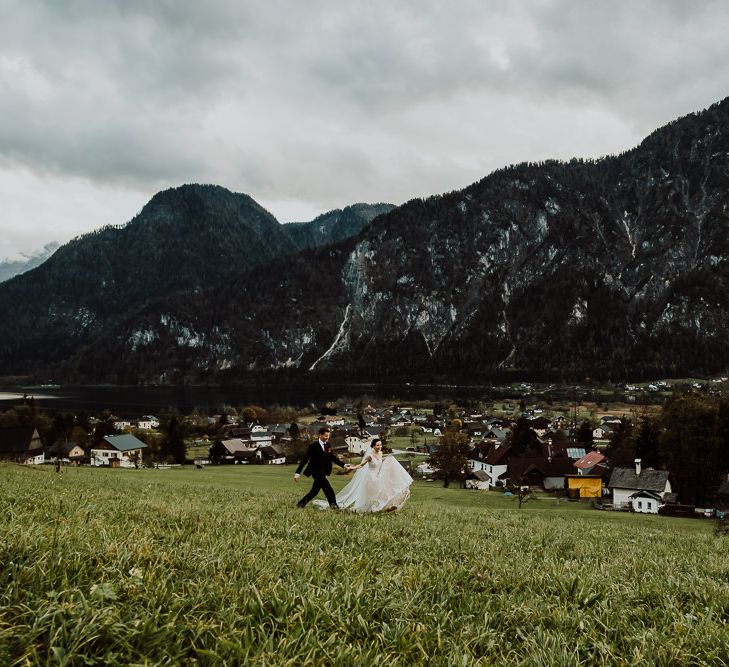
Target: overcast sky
point(309, 106)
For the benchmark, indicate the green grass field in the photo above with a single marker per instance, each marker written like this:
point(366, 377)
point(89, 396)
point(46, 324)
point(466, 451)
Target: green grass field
point(217, 566)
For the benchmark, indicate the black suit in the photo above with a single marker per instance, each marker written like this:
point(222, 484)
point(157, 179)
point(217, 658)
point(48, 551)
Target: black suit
point(318, 461)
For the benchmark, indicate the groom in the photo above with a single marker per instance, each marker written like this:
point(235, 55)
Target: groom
point(319, 458)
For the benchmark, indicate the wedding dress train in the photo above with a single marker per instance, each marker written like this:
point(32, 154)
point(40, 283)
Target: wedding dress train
point(381, 484)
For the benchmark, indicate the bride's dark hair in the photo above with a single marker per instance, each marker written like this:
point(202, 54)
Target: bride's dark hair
point(375, 441)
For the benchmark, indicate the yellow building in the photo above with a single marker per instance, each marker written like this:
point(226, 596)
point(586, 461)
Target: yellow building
point(590, 486)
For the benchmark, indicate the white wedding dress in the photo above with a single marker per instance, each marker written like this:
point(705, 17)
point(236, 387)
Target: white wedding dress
point(381, 484)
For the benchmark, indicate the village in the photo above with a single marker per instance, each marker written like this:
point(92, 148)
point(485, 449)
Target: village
point(517, 449)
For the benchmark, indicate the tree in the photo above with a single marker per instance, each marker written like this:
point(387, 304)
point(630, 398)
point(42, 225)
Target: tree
point(647, 447)
point(693, 446)
point(584, 435)
point(294, 431)
point(451, 458)
point(522, 439)
point(621, 451)
point(361, 423)
point(295, 450)
point(173, 446)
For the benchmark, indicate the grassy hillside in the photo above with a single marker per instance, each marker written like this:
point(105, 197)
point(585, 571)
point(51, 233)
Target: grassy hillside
point(216, 566)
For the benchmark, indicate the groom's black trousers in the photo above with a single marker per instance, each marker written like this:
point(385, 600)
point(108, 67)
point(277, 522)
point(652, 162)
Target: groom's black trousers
point(320, 484)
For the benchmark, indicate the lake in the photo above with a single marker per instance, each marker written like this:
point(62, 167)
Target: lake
point(131, 401)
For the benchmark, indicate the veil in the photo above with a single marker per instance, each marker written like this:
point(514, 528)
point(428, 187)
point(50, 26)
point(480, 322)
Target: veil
point(367, 453)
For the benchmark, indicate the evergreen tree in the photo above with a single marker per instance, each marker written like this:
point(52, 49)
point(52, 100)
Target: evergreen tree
point(647, 447)
point(522, 439)
point(621, 450)
point(584, 435)
point(693, 446)
point(173, 447)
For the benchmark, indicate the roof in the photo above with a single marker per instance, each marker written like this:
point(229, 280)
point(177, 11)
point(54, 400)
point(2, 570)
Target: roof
point(646, 494)
point(498, 433)
point(124, 443)
point(235, 445)
point(498, 456)
point(521, 466)
point(62, 448)
point(481, 475)
point(648, 480)
point(271, 452)
point(590, 460)
point(16, 439)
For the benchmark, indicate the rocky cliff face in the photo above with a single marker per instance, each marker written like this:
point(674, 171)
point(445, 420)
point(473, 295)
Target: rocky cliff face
point(614, 268)
point(609, 268)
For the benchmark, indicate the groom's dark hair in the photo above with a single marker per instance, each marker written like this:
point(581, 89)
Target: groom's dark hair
point(324, 429)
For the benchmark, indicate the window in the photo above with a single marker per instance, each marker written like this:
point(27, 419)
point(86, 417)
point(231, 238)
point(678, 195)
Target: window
point(640, 504)
point(649, 505)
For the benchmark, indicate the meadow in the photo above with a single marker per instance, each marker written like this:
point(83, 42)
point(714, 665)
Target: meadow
point(217, 567)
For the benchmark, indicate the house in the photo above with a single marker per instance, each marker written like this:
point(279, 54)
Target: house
point(630, 486)
point(280, 432)
point(557, 449)
point(496, 434)
point(64, 450)
point(609, 419)
point(118, 451)
point(21, 444)
point(333, 420)
point(475, 429)
point(496, 463)
point(262, 438)
point(603, 432)
point(478, 479)
point(35, 456)
point(357, 445)
point(227, 451)
point(647, 502)
point(243, 456)
point(400, 420)
point(585, 464)
point(540, 471)
point(148, 422)
point(122, 425)
point(270, 455)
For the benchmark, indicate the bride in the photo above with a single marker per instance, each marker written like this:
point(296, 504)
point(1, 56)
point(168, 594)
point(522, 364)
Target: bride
point(380, 483)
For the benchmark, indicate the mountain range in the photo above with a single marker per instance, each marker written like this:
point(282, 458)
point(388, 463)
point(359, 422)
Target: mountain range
point(614, 268)
point(26, 262)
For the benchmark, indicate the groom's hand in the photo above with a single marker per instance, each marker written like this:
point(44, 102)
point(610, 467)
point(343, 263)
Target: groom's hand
point(297, 477)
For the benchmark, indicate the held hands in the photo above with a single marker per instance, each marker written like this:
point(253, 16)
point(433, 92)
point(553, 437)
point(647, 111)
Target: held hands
point(297, 477)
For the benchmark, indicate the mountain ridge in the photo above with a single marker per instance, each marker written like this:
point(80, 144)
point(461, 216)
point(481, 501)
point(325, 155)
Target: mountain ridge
point(614, 268)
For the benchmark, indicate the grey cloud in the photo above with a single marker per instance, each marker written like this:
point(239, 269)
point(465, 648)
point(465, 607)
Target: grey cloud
point(328, 101)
